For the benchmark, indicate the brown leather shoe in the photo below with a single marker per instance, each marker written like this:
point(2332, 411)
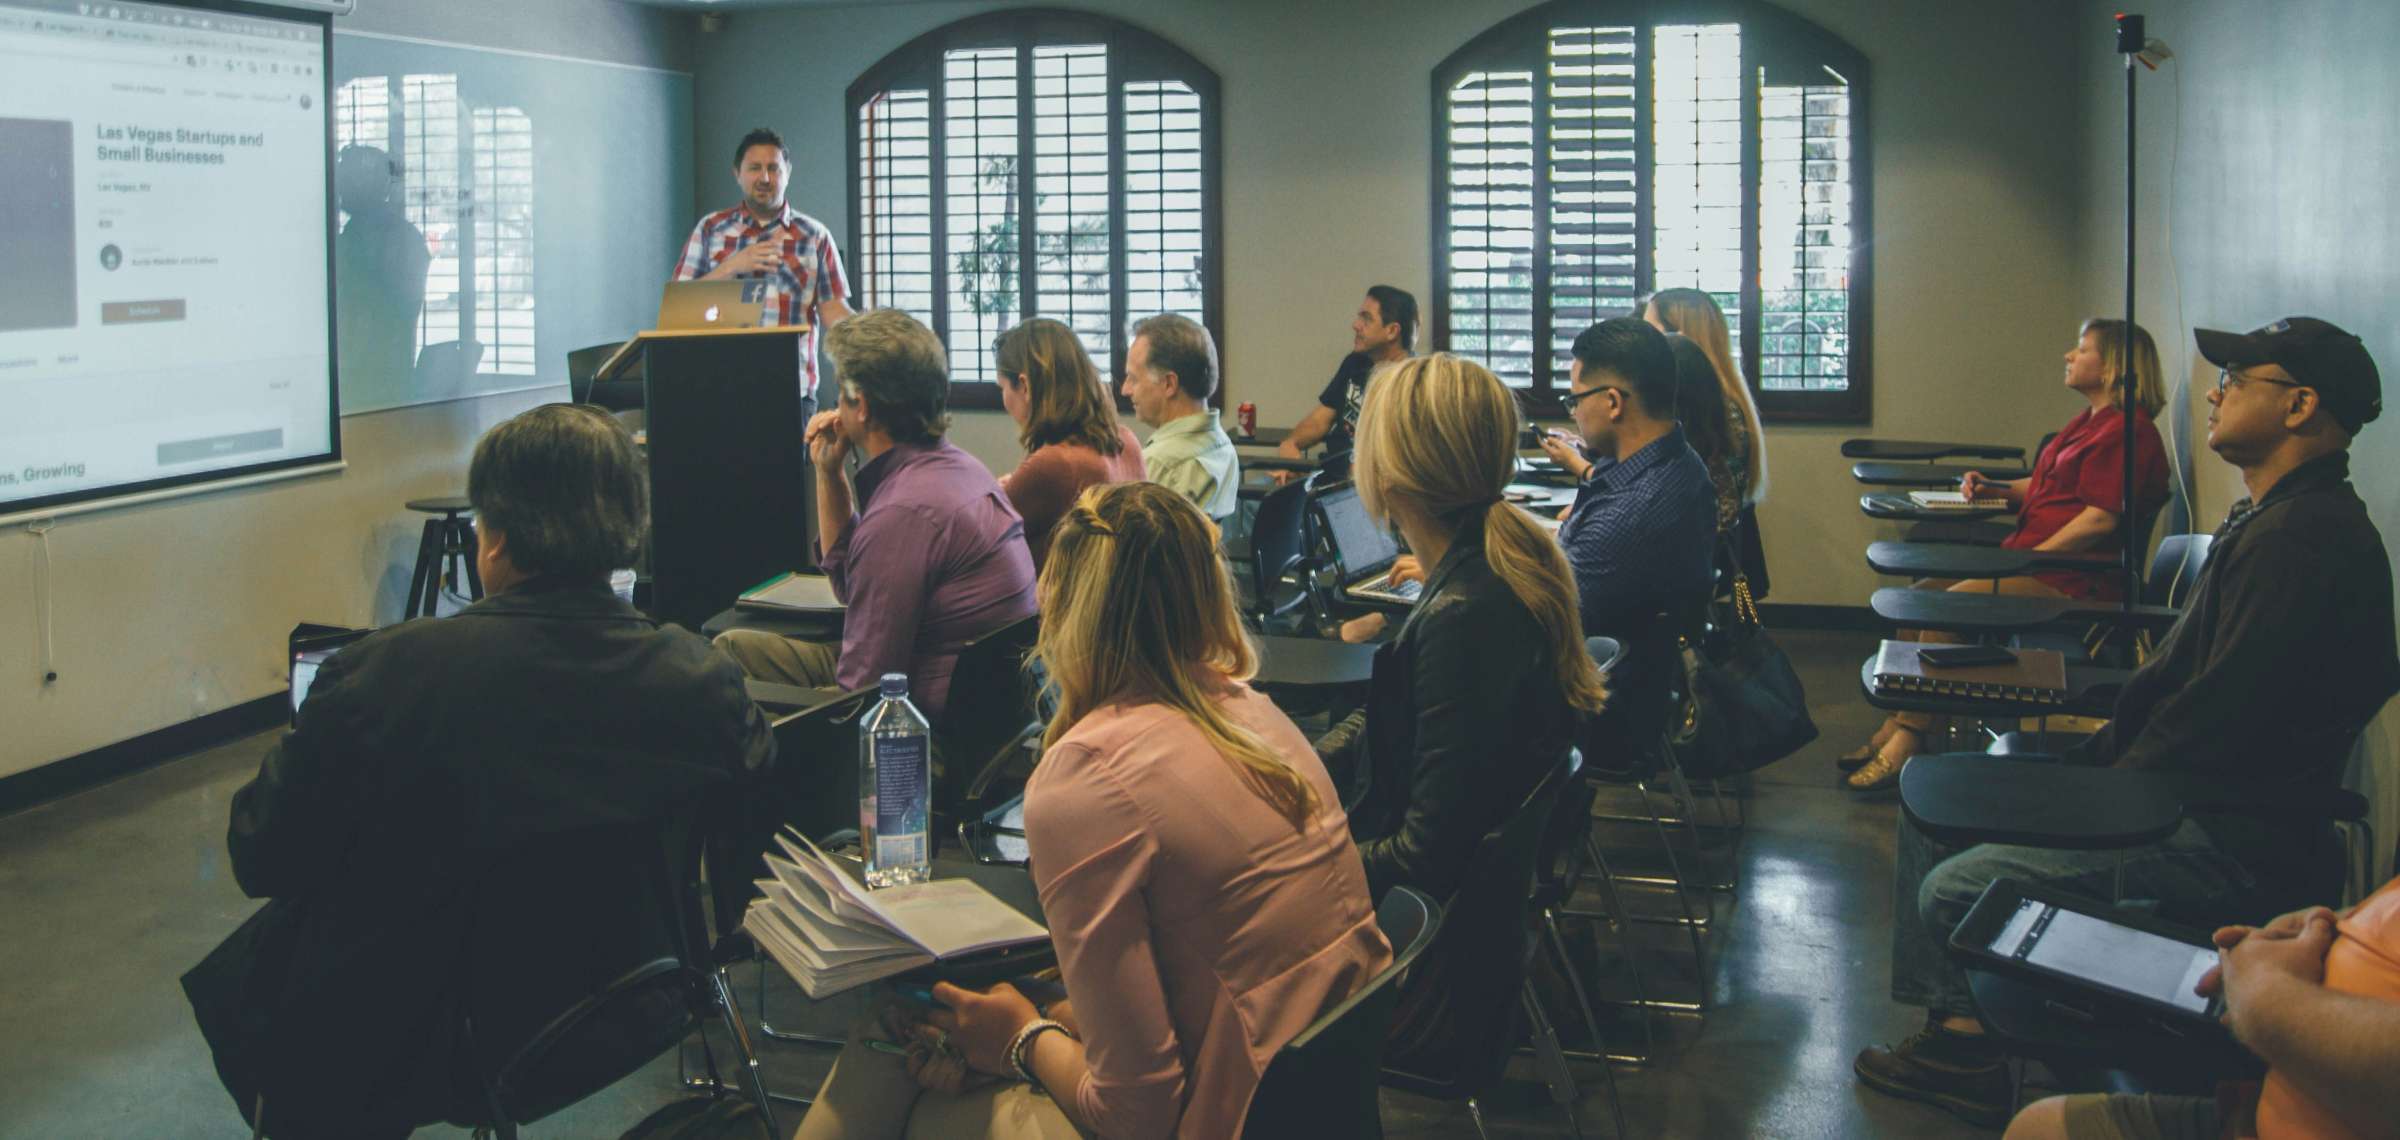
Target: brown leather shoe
point(1962, 1075)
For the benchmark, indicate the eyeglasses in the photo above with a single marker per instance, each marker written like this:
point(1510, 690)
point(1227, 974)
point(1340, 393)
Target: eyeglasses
point(2228, 378)
point(1572, 397)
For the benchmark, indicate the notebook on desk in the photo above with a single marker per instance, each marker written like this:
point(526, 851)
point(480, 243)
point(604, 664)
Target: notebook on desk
point(1952, 501)
point(1363, 551)
point(793, 593)
point(2037, 676)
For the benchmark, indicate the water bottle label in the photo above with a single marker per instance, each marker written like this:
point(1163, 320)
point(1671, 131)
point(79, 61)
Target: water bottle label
point(900, 850)
point(901, 799)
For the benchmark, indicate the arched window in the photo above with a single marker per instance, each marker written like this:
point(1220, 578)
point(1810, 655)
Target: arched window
point(1035, 163)
point(1593, 152)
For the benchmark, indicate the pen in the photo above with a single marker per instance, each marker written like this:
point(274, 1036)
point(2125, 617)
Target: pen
point(881, 1046)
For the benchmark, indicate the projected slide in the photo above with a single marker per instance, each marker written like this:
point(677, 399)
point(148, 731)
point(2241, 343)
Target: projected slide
point(163, 247)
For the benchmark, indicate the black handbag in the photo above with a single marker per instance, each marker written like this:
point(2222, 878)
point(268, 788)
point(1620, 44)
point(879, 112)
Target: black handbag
point(1744, 707)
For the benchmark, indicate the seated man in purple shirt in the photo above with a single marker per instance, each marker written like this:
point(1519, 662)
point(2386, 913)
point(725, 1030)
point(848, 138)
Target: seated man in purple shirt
point(925, 553)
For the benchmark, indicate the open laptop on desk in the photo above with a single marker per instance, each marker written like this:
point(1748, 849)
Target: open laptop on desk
point(1363, 551)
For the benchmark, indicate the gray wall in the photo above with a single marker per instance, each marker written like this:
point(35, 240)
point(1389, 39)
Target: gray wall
point(166, 612)
point(1327, 140)
point(2265, 192)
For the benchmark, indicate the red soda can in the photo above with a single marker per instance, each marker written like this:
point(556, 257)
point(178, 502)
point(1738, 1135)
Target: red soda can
point(1247, 417)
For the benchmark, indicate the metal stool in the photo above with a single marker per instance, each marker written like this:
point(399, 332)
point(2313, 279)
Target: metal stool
point(448, 545)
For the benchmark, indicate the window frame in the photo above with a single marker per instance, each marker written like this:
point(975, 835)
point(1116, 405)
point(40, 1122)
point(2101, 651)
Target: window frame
point(1134, 55)
point(1771, 38)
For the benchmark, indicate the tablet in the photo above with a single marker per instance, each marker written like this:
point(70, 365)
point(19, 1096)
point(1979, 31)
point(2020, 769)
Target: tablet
point(2089, 950)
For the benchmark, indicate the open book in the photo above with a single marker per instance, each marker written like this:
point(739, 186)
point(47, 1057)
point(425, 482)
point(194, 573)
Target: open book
point(793, 593)
point(1953, 501)
point(826, 929)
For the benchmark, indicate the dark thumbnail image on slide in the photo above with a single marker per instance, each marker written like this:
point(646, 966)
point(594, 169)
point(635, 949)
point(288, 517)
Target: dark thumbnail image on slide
point(37, 224)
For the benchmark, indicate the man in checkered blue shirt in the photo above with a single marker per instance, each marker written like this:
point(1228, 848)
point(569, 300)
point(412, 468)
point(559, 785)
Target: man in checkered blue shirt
point(1641, 537)
point(763, 239)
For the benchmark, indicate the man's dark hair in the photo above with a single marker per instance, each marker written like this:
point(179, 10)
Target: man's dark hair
point(1399, 307)
point(1180, 345)
point(564, 485)
point(899, 368)
point(759, 136)
point(1638, 354)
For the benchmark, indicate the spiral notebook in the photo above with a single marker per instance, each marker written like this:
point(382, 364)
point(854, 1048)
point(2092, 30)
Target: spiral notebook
point(2038, 676)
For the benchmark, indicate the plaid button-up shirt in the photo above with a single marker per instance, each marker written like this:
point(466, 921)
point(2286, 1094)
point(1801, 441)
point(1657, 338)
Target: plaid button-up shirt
point(810, 274)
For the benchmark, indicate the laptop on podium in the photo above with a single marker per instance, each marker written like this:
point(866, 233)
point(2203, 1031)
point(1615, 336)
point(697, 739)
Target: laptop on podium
point(712, 305)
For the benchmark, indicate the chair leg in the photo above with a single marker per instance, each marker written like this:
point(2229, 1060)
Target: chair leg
point(1621, 920)
point(1691, 810)
point(1683, 901)
point(424, 584)
point(467, 549)
point(1475, 1113)
point(743, 1050)
point(1549, 1060)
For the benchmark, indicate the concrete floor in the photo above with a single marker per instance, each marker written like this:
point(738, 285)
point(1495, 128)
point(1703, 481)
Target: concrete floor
point(111, 894)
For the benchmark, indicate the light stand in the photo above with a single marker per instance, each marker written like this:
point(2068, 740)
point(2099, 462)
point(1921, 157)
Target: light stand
point(2129, 44)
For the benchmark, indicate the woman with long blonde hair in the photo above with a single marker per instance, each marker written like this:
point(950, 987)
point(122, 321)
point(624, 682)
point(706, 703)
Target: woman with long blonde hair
point(1475, 699)
point(1066, 422)
point(1192, 857)
point(2073, 500)
point(1695, 314)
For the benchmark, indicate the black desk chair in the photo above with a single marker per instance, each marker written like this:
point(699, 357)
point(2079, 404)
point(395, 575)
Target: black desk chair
point(1464, 1009)
point(619, 1027)
point(1278, 555)
point(1323, 1082)
point(993, 700)
point(583, 366)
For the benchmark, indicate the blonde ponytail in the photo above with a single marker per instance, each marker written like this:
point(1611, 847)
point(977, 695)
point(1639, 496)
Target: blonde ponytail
point(1440, 433)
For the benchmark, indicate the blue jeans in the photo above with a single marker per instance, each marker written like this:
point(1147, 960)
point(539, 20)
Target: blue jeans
point(2190, 880)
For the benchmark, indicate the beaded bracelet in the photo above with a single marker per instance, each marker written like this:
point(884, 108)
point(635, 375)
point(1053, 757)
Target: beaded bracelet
point(1020, 1050)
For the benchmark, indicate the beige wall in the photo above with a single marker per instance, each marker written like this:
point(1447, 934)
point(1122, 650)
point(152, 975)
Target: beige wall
point(2265, 192)
point(1327, 147)
point(173, 610)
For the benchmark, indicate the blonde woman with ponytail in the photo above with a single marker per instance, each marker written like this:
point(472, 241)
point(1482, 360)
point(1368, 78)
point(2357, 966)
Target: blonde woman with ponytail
point(1475, 699)
point(1193, 861)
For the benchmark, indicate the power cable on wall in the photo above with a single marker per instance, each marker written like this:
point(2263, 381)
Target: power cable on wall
point(47, 645)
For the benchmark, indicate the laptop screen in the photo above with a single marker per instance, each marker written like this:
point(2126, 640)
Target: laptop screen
point(1362, 545)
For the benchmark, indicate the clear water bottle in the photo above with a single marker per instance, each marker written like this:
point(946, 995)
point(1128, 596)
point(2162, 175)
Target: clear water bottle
point(895, 789)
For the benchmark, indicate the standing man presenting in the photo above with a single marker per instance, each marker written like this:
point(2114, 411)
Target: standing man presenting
point(1382, 332)
point(790, 254)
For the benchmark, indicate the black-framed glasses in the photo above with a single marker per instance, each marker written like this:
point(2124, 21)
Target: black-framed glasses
point(2228, 378)
point(1573, 397)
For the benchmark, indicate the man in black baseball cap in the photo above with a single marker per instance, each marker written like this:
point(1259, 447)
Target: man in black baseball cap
point(2283, 654)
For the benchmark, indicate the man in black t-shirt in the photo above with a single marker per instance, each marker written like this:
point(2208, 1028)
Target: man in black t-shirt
point(1382, 332)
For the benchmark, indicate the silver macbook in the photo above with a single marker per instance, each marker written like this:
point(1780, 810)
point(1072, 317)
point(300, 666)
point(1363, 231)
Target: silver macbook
point(1363, 551)
point(712, 305)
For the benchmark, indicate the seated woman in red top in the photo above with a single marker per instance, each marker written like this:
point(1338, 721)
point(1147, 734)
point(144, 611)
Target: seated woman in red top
point(1193, 861)
point(1067, 423)
point(2071, 501)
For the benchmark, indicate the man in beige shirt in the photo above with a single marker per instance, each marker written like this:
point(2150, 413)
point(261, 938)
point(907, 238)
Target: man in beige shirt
point(1170, 372)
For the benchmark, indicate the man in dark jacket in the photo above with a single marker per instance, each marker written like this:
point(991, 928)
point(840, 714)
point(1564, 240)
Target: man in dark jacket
point(454, 840)
point(2285, 652)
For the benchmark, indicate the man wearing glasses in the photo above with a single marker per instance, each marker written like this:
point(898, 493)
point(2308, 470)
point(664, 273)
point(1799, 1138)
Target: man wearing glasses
point(2282, 656)
point(1641, 534)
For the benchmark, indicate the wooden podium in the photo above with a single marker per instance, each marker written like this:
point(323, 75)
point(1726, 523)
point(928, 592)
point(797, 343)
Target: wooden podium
point(730, 495)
